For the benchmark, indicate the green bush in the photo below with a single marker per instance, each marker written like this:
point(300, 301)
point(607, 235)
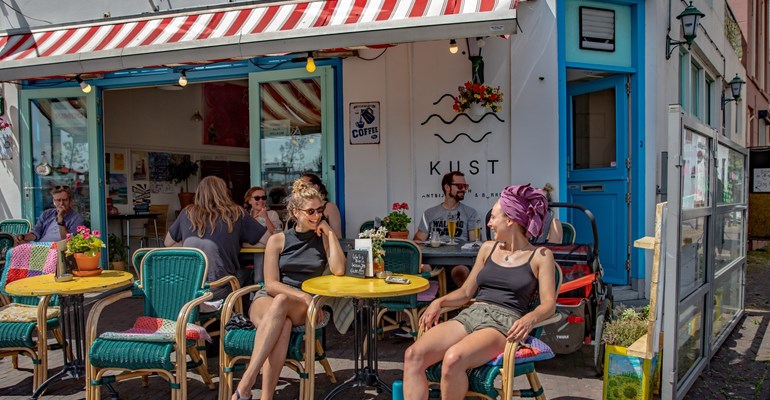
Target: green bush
point(627, 325)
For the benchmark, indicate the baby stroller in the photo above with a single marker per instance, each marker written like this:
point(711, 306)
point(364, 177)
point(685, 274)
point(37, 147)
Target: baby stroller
point(584, 299)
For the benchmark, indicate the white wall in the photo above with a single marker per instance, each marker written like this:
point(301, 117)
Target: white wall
point(409, 78)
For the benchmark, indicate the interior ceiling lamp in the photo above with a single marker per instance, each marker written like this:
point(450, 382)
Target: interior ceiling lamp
point(689, 19)
point(84, 86)
point(735, 88)
point(480, 42)
point(310, 65)
point(453, 46)
point(183, 78)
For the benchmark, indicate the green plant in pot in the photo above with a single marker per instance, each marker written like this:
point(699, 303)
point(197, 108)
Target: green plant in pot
point(117, 252)
point(180, 172)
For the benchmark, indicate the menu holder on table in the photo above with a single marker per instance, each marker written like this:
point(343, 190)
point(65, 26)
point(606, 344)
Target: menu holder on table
point(65, 264)
point(356, 263)
point(366, 244)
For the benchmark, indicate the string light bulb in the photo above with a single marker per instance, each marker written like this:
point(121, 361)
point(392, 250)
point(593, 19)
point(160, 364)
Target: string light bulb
point(310, 66)
point(480, 42)
point(84, 86)
point(183, 78)
point(453, 46)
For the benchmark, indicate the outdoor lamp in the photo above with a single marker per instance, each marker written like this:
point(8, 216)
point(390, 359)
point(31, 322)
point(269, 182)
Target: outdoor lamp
point(453, 46)
point(183, 78)
point(84, 86)
point(689, 18)
point(310, 66)
point(735, 88)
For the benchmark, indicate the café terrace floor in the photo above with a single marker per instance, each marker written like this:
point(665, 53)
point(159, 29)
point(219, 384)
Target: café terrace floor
point(564, 377)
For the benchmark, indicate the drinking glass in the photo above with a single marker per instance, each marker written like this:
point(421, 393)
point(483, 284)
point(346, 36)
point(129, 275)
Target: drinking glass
point(451, 226)
point(477, 230)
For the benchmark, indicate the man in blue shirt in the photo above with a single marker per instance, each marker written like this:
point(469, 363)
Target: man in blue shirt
point(55, 223)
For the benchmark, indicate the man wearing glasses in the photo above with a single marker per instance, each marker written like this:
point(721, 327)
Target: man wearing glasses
point(435, 218)
point(55, 223)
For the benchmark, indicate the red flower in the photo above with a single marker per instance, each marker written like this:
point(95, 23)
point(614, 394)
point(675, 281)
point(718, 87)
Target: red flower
point(396, 206)
point(404, 206)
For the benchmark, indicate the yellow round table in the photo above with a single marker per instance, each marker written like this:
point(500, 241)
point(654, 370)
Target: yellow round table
point(366, 293)
point(252, 250)
point(72, 318)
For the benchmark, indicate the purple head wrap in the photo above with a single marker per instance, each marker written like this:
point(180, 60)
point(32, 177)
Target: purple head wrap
point(525, 205)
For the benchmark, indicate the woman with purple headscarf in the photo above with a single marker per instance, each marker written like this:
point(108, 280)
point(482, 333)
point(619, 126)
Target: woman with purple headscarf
point(508, 273)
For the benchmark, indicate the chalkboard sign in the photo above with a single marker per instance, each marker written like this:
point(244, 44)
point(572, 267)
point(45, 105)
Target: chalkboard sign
point(356, 263)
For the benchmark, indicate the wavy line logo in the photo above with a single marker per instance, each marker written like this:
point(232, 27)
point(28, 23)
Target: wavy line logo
point(451, 121)
point(462, 134)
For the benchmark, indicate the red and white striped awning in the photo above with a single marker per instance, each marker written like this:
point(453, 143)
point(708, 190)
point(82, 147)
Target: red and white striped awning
point(247, 32)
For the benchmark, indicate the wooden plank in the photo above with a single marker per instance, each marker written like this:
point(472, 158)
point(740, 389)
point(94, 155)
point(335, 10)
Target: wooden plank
point(647, 242)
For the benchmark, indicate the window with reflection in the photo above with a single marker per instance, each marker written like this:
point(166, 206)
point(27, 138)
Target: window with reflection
point(690, 338)
point(727, 301)
point(692, 257)
point(695, 170)
point(730, 176)
point(729, 238)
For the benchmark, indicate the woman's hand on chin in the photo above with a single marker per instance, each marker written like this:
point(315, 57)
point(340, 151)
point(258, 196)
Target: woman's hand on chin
point(323, 228)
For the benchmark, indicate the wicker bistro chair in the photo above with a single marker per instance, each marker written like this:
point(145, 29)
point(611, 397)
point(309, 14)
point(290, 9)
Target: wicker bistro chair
point(22, 334)
point(6, 242)
point(568, 233)
point(236, 345)
point(405, 257)
point(171, 282)
point(481, 380)
point(15, 226)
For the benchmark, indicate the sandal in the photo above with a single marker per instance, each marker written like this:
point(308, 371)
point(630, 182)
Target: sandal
point(238, 396)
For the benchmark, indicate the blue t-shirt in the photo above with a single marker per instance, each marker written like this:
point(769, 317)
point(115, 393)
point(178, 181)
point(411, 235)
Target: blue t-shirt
point(47, 230)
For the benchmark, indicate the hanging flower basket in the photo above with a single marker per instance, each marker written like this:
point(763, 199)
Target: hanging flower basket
point(478, 95)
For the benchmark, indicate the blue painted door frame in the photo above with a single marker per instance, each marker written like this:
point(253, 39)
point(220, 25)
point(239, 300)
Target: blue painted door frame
point(603, 190)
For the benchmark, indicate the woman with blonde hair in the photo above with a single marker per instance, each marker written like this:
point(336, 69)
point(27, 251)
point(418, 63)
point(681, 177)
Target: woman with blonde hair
point(218, 226)
point(331, 212)
point(291, 257)
point(255, 203)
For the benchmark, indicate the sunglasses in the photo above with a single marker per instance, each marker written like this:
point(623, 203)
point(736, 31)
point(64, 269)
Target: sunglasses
point(258, 198)
point(461, 186)
point(312, 211)
point(61, 187)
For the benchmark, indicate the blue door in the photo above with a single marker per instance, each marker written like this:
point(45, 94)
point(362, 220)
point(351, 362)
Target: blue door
point(598, 169)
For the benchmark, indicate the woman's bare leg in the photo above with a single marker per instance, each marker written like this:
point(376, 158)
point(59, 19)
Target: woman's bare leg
point(426, 351)
point(271, 371)
point(472, 351)
point(269, 314)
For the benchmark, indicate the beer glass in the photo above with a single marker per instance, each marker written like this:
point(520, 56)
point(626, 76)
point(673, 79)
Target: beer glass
point(451, 226)
point(477, 230)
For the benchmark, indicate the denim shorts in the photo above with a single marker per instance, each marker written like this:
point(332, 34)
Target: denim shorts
point(485, 315)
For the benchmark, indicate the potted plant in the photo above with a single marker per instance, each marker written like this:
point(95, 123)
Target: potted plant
point(181, 172)
point(86, 246)
point(397, 221)
point(117, 252)
point(627, 376)
point(475, 97)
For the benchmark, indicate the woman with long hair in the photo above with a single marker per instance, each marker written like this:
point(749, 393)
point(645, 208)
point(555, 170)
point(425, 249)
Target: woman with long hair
point(331, 213)
point(218, 226)
point(255, 203)
point(509, 272)
point(291, 257)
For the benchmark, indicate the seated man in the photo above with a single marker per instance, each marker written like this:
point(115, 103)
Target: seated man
point(55, 223)
point(454, 187)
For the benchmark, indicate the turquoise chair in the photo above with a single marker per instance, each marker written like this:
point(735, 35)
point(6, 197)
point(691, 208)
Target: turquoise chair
point(236, 346)
point(481, 380)
point(568, 233)
point(366, 226)
point(26, 337)
point(405, 257)
point(172, 284)
point(15, 226)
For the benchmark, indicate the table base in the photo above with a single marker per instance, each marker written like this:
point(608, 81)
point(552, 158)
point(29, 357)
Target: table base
point(72, 323)
point(365, 331)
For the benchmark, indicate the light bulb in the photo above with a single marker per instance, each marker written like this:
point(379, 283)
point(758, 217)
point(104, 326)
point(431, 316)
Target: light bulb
point(84, 86)
point(453, 46)
point(183, 79)
point(310, 66)
point(480, 42)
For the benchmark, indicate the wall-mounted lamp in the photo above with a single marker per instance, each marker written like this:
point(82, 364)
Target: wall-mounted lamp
point(196, 117)
point(480, 42)
point(736, 85)
point(183, 78)
point(84, 86)
point(453, 46)
point(310, 65)
point(689, 18)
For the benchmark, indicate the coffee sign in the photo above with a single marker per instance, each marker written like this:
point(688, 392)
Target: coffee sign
point(365, 123)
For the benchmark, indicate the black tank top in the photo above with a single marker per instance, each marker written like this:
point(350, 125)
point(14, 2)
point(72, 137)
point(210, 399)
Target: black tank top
point(303, 257)
point(510, 287)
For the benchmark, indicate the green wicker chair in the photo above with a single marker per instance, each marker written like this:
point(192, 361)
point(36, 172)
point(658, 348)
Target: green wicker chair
point(171, 282)
point(236, 346)
point(481, 380)
point(25, 337)
point(568, 233)
point(15, 226)
point(405, 257)
point(366, 225)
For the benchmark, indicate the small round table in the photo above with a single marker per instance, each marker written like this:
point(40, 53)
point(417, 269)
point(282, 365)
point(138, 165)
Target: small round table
point(369, 290)
point(73, 317)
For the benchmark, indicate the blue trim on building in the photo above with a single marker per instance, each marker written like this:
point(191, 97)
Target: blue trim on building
point(562, 93)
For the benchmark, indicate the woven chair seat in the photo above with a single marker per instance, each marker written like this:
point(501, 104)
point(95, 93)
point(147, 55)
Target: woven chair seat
point(19, 334)
point(481, 379)
point(240, 342)
point(107, 353)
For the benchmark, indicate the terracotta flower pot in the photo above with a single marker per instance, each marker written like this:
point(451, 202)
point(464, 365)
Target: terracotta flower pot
point(398, 234)
point(86, 262)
